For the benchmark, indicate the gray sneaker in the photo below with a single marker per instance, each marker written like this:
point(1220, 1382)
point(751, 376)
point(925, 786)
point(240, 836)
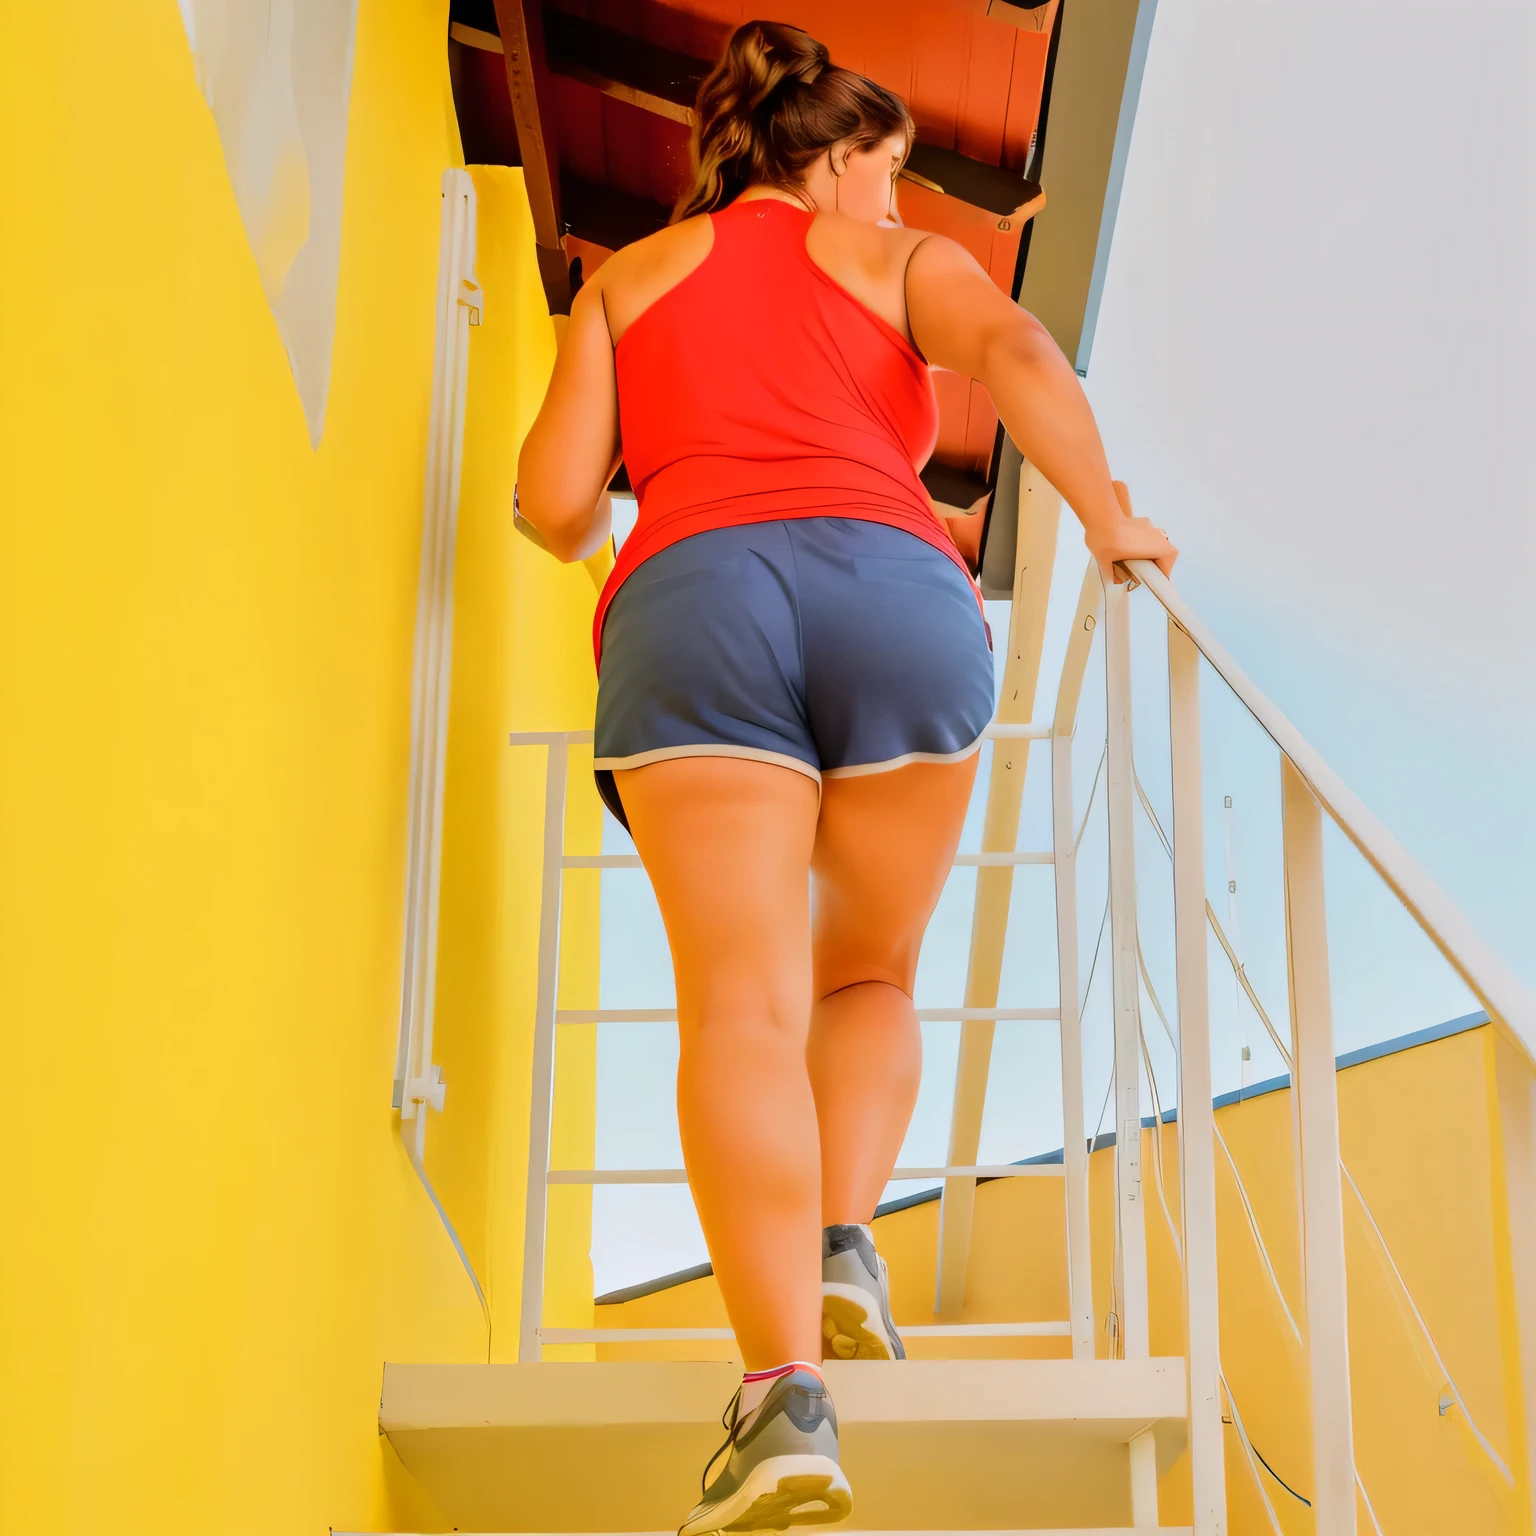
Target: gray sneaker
point(781, 1469)
point(856, 1298)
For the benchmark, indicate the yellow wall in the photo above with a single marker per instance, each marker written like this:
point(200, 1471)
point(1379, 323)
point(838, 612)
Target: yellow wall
point(212, 1239)
point(1421, 1134)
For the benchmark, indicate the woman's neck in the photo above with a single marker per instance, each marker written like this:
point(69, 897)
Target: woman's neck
point(761, 192)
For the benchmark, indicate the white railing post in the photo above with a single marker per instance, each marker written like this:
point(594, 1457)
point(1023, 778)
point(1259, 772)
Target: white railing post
point(542, 1076)
point(1119, 770)
point(1143, 1459)
point(1197, 1130)
point(1063, 837)
point(1315, 1104)
point(1516, 1088)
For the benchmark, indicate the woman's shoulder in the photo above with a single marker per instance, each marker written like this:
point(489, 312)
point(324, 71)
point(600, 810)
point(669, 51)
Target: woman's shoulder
point(677, 246)
point(869, 260)
point(632, 279)
point(879, 249)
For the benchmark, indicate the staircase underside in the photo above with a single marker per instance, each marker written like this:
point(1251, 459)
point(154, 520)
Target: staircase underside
point(927, 1444)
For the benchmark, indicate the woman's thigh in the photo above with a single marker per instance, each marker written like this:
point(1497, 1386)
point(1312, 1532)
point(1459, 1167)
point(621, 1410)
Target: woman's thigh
point(884, 846)
point(727, 844)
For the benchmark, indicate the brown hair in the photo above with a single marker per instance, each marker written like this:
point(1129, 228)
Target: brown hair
point(771, 106)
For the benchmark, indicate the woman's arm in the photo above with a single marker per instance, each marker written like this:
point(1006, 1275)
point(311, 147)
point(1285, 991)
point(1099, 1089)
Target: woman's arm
point(572, 449)
point(962, 321)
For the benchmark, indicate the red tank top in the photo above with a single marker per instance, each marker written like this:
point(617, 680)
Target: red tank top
point(759, 388)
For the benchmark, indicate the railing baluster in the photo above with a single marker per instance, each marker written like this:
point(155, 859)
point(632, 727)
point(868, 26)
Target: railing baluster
point(541, 1101)
point(1119, 768)
point(1315, 1104)
point(1074, 1138)
point(1197, 1152)
point(1063, 833)
point(1039, 514)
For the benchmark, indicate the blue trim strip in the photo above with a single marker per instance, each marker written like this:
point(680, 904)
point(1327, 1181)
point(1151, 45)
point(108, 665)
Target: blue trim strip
point(1467, 1021)
point(1356, 1058)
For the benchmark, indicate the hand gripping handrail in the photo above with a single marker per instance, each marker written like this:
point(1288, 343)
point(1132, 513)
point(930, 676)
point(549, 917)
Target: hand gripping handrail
point(1509, 1004)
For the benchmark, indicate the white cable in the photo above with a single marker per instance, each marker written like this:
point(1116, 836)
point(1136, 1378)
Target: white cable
point(1157, 1140)
point(1082, 826)
point(1429, 1339)
point(1157, 1145)
point(1247, 1445)
point(1157, 826)
point(1141, 962)
point(453, 1237)
point(1093, 965)
point(1241, 972)
point(1370, 1508)
point(1238, 969)
point(1258, 1237)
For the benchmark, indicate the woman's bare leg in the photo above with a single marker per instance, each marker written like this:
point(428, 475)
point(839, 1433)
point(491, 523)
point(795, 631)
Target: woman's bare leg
point(884, 845)
point(727, 843)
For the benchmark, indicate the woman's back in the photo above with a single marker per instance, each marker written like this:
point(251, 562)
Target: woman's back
point(754, 386)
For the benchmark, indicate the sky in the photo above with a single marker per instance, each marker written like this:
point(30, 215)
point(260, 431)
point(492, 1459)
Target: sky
point(1313, 365)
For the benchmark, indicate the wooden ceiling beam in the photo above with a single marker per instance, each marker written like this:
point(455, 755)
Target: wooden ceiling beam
point(522, 46)
point(626, 68)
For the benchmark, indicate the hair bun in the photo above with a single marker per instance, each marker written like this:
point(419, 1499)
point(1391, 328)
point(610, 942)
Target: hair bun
point(767, 55)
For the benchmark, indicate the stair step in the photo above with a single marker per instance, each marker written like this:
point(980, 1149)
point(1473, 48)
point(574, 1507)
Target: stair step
point(927, 1444)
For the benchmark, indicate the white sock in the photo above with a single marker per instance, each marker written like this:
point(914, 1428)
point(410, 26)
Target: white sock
point(755, 1385)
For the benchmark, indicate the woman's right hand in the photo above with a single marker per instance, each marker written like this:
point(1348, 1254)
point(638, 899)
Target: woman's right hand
point(1128, 538)
point(961, 320)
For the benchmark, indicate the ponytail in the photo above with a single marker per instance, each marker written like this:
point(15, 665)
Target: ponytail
point(773, 104)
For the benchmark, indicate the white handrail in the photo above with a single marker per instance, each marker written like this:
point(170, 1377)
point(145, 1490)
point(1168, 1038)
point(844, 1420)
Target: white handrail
point(418, 1082)
point(1507, 1001)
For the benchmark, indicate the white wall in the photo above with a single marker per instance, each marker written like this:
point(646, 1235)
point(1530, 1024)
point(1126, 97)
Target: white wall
point(1313, 364)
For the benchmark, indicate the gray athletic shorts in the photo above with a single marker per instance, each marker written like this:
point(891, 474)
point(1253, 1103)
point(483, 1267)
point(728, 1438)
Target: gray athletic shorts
point(828, 645)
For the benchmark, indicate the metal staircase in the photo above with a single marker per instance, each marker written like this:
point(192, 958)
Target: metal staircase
point(1073, 1444)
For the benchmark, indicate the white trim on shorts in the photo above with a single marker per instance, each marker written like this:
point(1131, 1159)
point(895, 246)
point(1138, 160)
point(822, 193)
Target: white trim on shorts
point(859, 770)
point(711, 749)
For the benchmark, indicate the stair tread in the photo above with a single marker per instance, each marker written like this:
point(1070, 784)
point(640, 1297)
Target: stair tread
point(606, 1393)
point(949, 1445)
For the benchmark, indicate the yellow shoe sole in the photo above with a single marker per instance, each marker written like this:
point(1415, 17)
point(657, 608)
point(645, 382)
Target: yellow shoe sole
point(848, 1327)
